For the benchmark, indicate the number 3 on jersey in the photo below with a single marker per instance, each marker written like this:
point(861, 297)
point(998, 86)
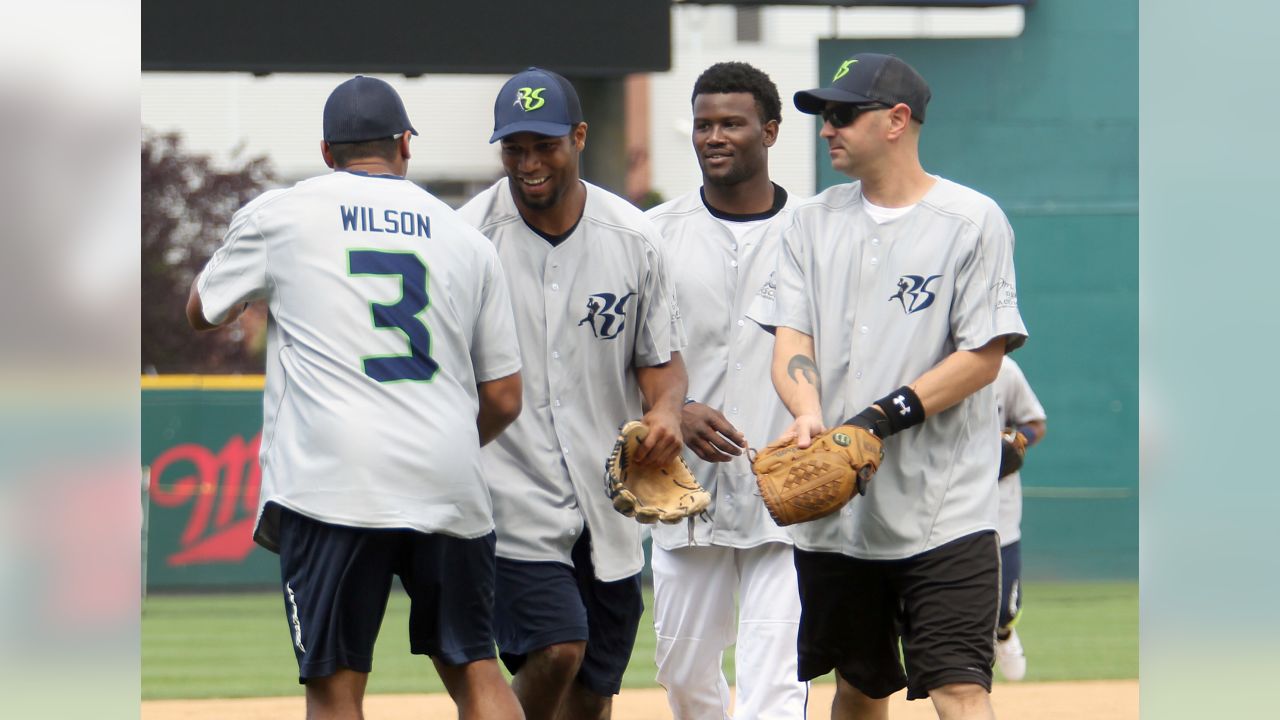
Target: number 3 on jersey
point(401, 315)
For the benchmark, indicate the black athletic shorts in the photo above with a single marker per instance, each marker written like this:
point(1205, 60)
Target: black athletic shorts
point(941, 604)
point(543, 603)
point(337, 579)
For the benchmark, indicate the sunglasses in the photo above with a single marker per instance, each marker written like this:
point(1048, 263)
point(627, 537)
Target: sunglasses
point(844, 115)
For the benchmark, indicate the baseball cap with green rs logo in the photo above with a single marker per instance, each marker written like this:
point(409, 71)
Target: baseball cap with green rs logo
point(537, 101)
point(870, 78)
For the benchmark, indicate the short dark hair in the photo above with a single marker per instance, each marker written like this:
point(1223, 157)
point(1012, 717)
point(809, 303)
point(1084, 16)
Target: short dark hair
point(346, 153)
point(739, 77)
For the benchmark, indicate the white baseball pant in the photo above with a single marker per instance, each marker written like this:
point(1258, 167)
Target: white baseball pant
point(694, 591)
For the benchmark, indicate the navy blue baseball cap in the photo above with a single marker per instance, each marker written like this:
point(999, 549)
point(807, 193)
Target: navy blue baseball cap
point(867, 78)
point(537, 101)
point(364, 108)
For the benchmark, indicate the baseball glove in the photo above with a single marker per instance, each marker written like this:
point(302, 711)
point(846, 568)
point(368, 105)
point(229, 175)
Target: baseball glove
point(647, 493)
point(1013, 447)
point(802, 485)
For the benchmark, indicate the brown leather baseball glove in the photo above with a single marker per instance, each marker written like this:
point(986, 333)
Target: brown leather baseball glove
point(648, 493)
point(1013, 448)
point(802, 485)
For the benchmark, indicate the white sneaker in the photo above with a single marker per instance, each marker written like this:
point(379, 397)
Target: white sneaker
point(1009, 657)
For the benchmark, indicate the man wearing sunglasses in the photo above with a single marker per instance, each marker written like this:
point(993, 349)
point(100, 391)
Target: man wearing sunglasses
point(899, 279)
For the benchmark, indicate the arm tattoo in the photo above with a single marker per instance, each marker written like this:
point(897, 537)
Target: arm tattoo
point(803, 364)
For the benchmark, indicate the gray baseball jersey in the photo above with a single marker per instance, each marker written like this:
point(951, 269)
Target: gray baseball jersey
point(716, 275)
point(385, 311)
point(1016, 403)
point(884, 303)
point(590, 310)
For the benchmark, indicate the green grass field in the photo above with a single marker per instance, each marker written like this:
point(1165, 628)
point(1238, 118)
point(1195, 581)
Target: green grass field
point(223, 645)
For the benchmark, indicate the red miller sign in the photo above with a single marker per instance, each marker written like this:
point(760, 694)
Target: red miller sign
point(222, 492)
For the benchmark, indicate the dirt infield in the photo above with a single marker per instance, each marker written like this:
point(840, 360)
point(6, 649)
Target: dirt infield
point(1099, 700)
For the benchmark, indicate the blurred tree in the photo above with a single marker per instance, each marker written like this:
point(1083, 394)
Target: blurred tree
point(187, 204)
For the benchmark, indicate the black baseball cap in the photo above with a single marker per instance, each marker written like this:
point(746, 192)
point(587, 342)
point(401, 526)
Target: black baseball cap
point(364, 108)
point(866, 78)
point(537, 101)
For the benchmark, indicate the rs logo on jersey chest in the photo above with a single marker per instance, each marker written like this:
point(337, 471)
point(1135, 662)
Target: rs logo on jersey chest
point(606, 314)
point(914, 293)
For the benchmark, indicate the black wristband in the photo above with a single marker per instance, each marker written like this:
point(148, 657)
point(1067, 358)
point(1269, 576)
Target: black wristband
point(898, 410)
point(903, 409)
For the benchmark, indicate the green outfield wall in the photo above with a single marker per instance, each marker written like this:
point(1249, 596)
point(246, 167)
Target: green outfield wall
point(1047, 125)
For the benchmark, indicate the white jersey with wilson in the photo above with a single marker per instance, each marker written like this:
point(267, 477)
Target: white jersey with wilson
point(1016, 403)
point(589, 310)
point(884, 303)
point(716, 275)
point(385, 311)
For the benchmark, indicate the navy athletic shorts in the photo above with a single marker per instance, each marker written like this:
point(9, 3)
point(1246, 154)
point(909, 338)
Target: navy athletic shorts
point(1010, 583)
point(941, 603)
point(543, 603)
point(337, 579)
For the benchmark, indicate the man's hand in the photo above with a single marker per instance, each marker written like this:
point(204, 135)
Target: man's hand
point(662, 443)
point(804, 430)
point(709, 435)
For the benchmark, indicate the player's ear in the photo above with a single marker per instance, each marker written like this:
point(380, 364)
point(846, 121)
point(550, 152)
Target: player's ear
point(404, 144)
point(326, 153)
point(899, 117)
point(579, 136)
point(770, 131)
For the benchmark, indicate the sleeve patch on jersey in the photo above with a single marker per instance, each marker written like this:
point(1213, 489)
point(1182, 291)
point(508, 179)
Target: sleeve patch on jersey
point(1006, 295)
point(769, 290)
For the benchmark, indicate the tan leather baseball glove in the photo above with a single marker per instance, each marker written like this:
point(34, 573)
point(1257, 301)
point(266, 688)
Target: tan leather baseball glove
point(802, 485)
point(648, 493)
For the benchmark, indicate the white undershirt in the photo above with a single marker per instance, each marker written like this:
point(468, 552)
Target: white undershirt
point(883, 215)
point(741, 228)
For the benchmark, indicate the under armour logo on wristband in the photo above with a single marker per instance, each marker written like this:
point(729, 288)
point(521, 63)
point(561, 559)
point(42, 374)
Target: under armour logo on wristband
point(901, 402)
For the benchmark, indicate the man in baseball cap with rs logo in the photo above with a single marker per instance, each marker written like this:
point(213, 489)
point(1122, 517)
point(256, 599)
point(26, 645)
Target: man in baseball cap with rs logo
point(928, 263)
point(600, 336)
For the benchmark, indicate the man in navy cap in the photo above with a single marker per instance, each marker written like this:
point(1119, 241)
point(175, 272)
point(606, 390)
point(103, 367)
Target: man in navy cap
point(600, 338)
point(380, 391)
point(898, 279)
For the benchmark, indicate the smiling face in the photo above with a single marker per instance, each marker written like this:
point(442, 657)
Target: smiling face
point(541, 169)
point(730, 138)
